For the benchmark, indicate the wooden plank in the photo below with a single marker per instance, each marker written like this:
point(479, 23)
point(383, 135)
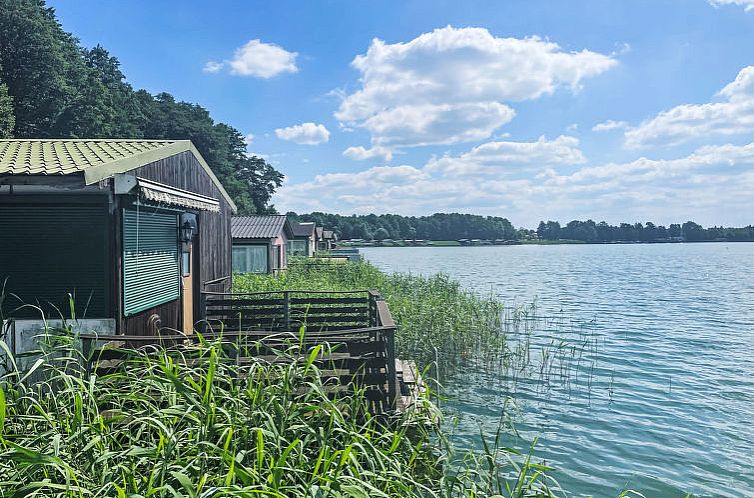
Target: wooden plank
point(329, 300)
point(236, 302)
point(383, 313)
point(335, 309)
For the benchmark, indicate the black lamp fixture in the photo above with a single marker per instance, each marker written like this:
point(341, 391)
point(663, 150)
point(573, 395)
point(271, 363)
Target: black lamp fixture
point(188, 227)
point(186, 232)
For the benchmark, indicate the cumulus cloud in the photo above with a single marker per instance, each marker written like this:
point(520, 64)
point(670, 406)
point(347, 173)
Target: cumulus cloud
point(451, 85)
point(248, 138)
point(258, 59)
point(748, 5)
point(304, 133)
point(713, 183)
point(732, 116)
point(609, 125)
point(360, 153)
point(497, 158)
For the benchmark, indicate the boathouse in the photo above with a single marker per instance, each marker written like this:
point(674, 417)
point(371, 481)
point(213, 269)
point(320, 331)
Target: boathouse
point(303, 242)
point(123, 235)
point(260, 243)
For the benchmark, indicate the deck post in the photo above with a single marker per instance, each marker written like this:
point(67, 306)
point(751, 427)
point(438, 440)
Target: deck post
point(392, 378)
point(203, 309)
point(373, 297)
point(385, 319)
point(287, 310)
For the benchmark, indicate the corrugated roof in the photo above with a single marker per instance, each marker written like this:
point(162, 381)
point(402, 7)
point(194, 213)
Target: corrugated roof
point(302, 229)
point(257, 227)
point(62, 157)
point(96, 159)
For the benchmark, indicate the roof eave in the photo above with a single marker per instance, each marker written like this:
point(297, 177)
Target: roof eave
point(98, 173)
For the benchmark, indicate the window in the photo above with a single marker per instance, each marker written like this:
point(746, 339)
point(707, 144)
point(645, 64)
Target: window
point(186, 263)
point(297, 247)
point(276, 257)
point(151, 264)
point(249, 259)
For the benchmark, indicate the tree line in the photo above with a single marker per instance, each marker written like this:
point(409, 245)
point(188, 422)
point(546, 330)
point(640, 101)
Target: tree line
point(455, 226)
point(589, 231)
point(51, 87)
point(439, 226)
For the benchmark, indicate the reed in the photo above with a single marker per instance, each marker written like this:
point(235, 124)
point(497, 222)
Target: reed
point(438, 320)
point(192, 422)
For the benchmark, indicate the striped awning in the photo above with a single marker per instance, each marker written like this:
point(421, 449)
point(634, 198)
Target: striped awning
point(164, 194)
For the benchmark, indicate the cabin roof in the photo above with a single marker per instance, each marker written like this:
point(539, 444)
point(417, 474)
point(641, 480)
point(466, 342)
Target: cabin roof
point(96, 159)
point(304, 229)
point(259, 227)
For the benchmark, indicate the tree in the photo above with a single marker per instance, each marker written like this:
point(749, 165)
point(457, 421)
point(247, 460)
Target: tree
point(42, 67)
point(381, 234)
point(692, 231)
point(7, 119)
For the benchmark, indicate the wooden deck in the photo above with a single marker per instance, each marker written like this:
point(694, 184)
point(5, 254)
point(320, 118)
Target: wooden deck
point(355, 328)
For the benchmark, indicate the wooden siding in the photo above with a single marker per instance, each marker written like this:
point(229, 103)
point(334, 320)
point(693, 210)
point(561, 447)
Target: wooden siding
point(212, 248)
point(143, 323)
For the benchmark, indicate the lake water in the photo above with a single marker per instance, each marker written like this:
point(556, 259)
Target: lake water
point(667, 406)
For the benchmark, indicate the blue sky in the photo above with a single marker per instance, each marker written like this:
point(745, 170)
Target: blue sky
point(616, 110)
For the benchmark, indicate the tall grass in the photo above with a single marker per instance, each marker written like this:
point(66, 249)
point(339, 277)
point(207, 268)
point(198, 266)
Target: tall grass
point(194, 422)
point(437, 319)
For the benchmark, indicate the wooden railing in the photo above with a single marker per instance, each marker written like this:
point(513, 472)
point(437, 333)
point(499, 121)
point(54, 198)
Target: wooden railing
point(288, 310)
point(356, 326)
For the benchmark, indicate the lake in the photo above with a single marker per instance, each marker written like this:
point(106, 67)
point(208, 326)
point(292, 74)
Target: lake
point(662, 400)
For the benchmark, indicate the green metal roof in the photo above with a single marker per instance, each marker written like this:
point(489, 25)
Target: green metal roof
point(96, 159)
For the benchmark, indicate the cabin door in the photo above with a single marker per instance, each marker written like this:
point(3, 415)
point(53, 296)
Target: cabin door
point(187, 281)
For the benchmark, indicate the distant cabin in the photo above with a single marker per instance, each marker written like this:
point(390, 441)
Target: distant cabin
point(134, 230)
point(303, 242)
point(260, 243)
point(327, 241)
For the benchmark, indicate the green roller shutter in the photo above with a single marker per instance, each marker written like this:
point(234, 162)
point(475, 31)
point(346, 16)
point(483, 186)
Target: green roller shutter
point(151, 269)
point(49, 250)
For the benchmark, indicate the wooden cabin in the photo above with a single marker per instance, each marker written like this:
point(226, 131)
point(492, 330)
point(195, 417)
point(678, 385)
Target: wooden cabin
point(328, 240)
point(303, 242)
point(325, 239)
point(260, 243)
point(132, 230)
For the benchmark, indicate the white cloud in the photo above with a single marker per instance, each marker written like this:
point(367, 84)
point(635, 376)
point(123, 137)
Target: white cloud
point(258, 59)
point(451, 85)
point(498, 158)
point(248, 138)
point(360, 153)
point(213, 67)
point(610, 125)
point(734, 115)
point(415, 125)
point(304, 133)
point(748, 5)
point(712, 185)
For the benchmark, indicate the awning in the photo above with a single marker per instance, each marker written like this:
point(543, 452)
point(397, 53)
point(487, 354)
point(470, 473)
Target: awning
point(158, 192)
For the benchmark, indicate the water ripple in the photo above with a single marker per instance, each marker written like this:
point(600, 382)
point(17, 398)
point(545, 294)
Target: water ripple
point(661, 402)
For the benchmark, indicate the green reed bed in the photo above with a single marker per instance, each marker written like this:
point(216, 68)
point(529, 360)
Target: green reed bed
point(194, 423)
point(437, 319)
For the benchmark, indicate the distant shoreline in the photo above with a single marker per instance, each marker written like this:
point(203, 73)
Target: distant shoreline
point(455, 243)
